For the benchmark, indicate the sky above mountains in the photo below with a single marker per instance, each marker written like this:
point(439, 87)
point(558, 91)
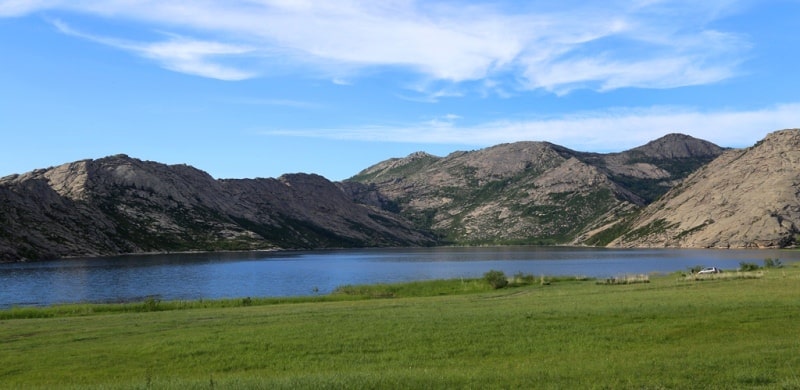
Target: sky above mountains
point(253, 88)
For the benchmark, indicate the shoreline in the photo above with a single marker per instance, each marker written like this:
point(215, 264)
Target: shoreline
point(277, 250)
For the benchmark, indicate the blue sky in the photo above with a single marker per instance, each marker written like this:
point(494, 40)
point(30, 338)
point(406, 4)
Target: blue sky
point(259, 88)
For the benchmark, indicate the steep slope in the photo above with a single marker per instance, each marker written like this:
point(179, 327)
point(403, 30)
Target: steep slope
point(745, 198)
point(650, 170)
point(519, 193)
point(526, 192)
point(123, 205)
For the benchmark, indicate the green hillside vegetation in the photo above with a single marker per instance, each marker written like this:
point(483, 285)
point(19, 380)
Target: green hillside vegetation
point(670, 331)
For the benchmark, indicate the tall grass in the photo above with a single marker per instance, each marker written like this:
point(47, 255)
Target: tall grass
point(148, 305)
point(669, 333)
point(727, 275)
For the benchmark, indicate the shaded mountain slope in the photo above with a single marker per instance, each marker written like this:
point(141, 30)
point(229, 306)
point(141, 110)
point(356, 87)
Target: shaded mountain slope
point(120, 204)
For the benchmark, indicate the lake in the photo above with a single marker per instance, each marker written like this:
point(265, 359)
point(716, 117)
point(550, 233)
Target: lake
point(274, 274)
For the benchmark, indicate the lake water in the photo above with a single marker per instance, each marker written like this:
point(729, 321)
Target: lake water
point(274, 274)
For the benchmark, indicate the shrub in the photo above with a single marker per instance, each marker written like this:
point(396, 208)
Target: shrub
point(496, 279)
point(772, 263)
point(746, 267)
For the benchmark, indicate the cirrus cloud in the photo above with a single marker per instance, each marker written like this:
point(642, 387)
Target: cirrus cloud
point(557, 48)
point(600, 131)
point(190, 56)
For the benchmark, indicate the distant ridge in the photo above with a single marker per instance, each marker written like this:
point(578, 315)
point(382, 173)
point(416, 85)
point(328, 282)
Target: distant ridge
point(676, 146)
point(531, 192)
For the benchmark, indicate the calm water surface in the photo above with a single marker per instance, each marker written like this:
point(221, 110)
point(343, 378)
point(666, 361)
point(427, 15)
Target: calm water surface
point(262, 274)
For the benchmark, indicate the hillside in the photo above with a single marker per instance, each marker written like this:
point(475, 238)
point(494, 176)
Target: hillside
point(676, 191)
point(745, 198)
point(120, 204)
point(528, 192)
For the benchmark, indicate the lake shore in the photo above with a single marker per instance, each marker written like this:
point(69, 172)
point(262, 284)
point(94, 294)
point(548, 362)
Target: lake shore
point(217, 275)
point(566, 333)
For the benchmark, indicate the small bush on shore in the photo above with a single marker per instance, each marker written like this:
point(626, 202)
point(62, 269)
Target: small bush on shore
point(496, 279)
point(772, 263)
point(747, 267)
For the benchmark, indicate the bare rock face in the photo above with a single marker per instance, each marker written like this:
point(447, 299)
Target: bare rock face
point(668, 192)
point(37, 221)
point(528, 192)
point(673, 146)
point(120, 204)
point(649, 171)
point(745, 198)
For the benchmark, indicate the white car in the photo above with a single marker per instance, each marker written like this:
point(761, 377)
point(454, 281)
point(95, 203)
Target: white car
point(709, 270)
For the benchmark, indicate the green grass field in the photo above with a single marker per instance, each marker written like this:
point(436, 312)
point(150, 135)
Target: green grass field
point(672, 332)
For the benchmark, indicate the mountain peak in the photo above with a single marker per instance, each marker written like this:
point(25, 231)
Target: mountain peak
point(676, 145)
point(787, 138)
point(744, 198)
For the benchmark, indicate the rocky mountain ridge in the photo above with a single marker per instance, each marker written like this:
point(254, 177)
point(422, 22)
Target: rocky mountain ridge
point(120, 204)
point(530, 192)
point(746, 198)
point(676, 191)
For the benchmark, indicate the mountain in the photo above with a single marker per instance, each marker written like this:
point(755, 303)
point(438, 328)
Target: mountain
point(120, 204)
point(528, 192)
point(676, 191)
point(745, 198)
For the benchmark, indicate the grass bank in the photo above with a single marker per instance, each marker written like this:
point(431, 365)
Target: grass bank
point(672, 332)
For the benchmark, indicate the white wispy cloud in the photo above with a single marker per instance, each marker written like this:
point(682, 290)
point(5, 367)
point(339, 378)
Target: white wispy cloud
point(22, 7)
point(196, 57)
point(599, 131)
point(558, 48)
point(180, 54)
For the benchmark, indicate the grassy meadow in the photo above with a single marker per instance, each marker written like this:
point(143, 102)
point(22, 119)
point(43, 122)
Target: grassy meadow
point(665, 331)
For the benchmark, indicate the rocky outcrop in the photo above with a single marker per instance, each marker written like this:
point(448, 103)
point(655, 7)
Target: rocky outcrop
point(528, 192)
point(120, 204)
point(745, 198)
point(674, 146)
point(667, 193)
point(649, 171)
